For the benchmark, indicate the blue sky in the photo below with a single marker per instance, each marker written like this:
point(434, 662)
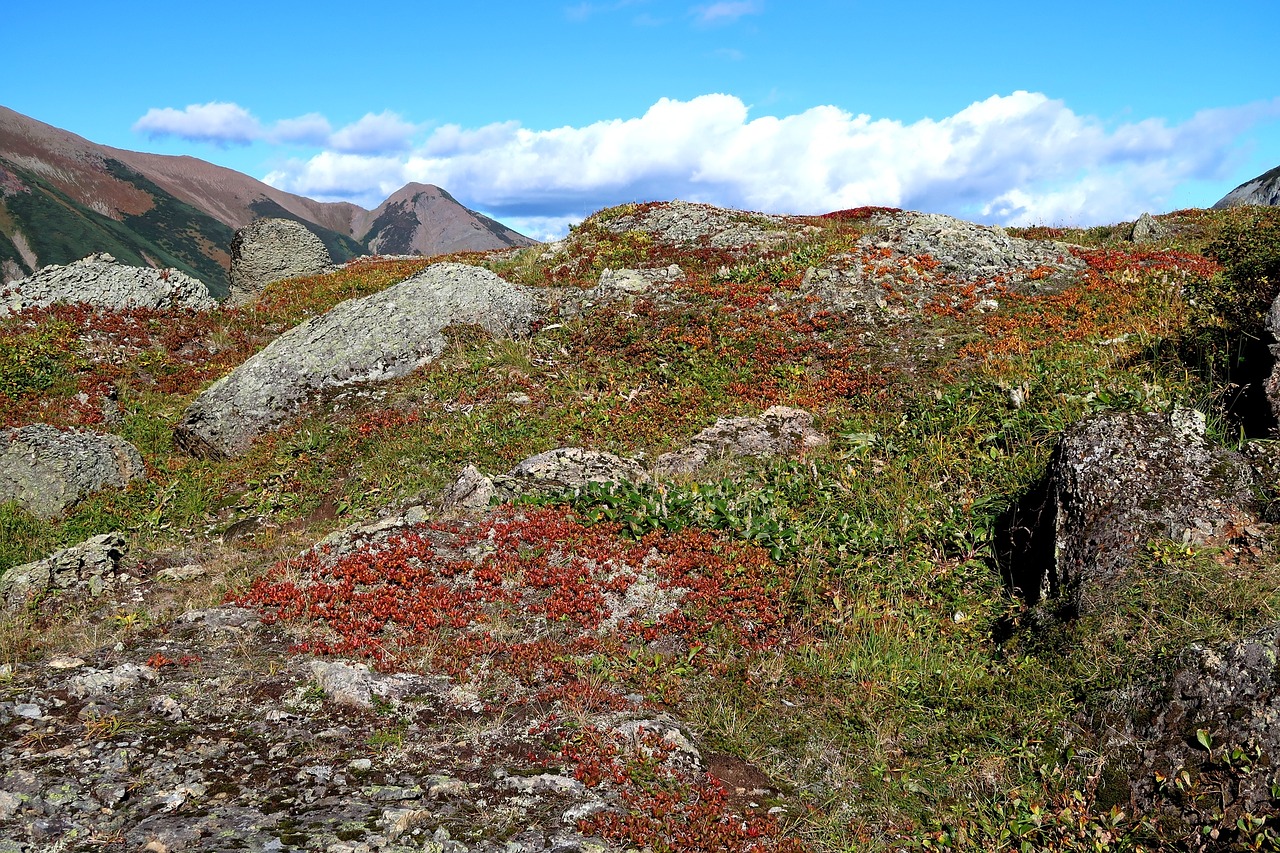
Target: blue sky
point(539, 113)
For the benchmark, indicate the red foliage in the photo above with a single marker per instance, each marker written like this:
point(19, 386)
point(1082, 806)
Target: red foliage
point(663, 809)
point(858, 213)
point(561, 582)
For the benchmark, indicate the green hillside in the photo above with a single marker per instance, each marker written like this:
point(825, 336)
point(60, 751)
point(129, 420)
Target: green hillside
point(60, 230)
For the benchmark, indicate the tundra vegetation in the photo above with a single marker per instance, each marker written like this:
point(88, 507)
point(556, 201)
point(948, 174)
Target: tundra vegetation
point(845, 629)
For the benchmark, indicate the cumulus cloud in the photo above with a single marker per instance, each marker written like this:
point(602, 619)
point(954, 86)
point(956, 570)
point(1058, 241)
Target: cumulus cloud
point(1017, 159)
point(217, 122)
point(727, 12)
point(310, 129)
point(375, 134)
point(221, 123)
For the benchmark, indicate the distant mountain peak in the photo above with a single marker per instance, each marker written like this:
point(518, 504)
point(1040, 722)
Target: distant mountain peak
point(63, 197)
point(1264, 190)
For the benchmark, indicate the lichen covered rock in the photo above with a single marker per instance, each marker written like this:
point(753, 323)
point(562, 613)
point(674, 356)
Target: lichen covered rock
point(778, 431)
point(1116, 482)
point(103, 282)
point(268, 250)
point(86, 569)
point(47, 470)
point(364, 340)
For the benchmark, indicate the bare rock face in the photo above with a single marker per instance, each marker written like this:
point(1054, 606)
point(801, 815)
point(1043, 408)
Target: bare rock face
point(574, 467)
point(1147, 230)
point(778, 431)
point(268, 250)
point(1263, 190)
point(101, 281)
point(1116, 482)
point(366, 340)
point(89, 568)
point(47, 470)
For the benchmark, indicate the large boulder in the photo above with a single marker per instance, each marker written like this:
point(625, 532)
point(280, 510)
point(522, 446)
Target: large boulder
point(779, 431)
point(1147, 230)
point(1214, 717)
point(1116, 482)
point(268, 250)
point(47, 470)
point(369, 339)
point(101, 281)
point(87, 569)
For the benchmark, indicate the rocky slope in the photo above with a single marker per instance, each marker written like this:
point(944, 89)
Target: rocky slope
point(1264, 189)
point(699, 530)
point(63, 197)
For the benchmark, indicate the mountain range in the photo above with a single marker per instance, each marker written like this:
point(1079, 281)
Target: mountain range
point(63, 197)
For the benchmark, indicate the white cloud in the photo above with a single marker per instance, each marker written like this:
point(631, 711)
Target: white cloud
point(727, 12)
point(227, 123)
point(217, 122)
point(1017, 158)
point(310, 129)
point(374, 134)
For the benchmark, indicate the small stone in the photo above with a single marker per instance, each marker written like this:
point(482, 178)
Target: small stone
point(181, 573)
point(65, 662)
point(29, 710)
point(359, 765)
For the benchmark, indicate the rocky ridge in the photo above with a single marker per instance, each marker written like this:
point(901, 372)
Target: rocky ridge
point(99, 280)
point(1263, 190)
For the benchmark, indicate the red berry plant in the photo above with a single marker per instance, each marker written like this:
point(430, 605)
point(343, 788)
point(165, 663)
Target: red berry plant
point(529, 607)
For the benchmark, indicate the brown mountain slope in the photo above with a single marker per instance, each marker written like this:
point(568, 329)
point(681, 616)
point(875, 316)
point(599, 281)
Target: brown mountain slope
point(63, 197)
point(424, 219)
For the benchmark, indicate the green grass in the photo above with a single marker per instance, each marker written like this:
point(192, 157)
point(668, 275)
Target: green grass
point(916, 712)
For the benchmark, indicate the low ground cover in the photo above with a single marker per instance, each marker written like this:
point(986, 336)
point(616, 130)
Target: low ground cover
point(836, 621)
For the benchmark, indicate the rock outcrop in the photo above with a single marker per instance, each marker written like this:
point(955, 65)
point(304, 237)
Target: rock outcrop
point(86, 570)
point(684, 224)
point(778, 431)
point(47, 470)
point(1116, 482)
point(965, 251)
point(1263, 190)
point(369, 339)
point(100, 281)
point(560, 470)
point(1147, 230)
point(268, 250)
point(1215, 717)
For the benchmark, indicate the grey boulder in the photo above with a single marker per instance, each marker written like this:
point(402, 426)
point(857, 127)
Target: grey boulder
point(369, 339)
point(101, 281)
point(778, 431)
point(47, 470)
point(268, 250)
point(89, 568)
point(1147, 230)
point(1116, 482)
point(560, 470)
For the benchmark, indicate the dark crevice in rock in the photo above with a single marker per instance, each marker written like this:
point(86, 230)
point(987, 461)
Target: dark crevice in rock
point(1024, 543)
point(1245, 401)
